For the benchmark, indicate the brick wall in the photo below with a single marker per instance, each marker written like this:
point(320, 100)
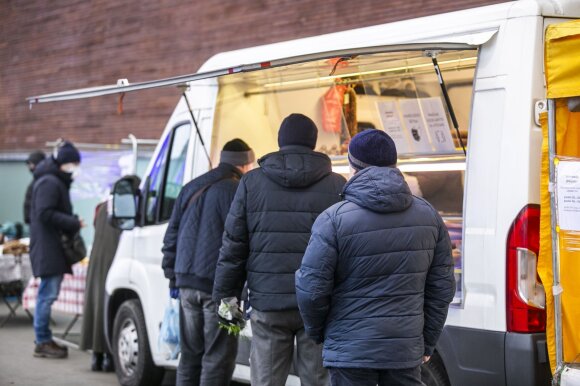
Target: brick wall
point(49, 46)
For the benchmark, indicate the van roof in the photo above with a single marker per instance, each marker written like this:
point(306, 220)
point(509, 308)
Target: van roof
point(467, 26)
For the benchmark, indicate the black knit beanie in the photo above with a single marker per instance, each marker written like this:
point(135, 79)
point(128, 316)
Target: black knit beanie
point(67, 153)
point(36, 157)
point(237, 152)
point(372, 148)
point(297, 129)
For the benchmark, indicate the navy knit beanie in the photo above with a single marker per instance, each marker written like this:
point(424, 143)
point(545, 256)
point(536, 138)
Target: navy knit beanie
point(297, 129)
point(67, 153)
point(372, 148)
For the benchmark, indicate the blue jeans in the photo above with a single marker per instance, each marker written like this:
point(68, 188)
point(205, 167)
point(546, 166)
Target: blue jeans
point(47, 294)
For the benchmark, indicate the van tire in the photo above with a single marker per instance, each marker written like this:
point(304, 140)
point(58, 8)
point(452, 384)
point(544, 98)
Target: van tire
point(133, 362)
point(433, 372)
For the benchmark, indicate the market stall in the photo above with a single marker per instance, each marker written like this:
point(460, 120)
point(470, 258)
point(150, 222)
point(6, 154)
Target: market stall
point(559, 259)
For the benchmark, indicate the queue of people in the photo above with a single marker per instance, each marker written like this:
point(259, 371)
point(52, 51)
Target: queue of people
point(356, 276)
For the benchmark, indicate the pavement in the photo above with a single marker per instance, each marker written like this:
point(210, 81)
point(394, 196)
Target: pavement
point(19, 367)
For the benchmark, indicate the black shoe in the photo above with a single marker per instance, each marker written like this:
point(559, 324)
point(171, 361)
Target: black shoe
point(50, 350)
point(108, 364)
point(96, 361)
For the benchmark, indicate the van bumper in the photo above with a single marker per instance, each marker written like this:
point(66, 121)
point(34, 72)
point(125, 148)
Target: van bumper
point(480, 357)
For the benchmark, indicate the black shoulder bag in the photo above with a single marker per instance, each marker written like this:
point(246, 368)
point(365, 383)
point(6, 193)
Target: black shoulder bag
point(74, 248)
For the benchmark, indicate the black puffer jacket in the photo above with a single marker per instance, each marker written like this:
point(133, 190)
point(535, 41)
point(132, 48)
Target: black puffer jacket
point(194, 235)
point(50, 216)
point(269, 225)
point(377, 276)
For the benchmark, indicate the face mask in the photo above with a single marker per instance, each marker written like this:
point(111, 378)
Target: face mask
point(71, 169)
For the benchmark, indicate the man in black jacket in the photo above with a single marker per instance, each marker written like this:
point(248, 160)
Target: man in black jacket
point(377, 277)
point(190, 252)
point(51, 216)
point(265, 236)
point(32, 161)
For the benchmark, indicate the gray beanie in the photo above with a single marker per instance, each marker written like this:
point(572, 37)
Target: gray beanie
point(236, 152)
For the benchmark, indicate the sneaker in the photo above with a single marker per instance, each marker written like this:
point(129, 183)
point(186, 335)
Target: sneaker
point(50, 350)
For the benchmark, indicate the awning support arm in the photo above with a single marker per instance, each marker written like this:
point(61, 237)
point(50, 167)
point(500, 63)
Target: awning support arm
point(447, 101)
point(197, 129)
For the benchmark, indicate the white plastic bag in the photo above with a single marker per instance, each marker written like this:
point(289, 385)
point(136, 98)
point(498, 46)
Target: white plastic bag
point(169, 332)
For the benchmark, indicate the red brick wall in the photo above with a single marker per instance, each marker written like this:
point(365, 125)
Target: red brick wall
point(49, 46)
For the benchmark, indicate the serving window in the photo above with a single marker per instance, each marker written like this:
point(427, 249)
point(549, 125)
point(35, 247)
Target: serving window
point(398, 92)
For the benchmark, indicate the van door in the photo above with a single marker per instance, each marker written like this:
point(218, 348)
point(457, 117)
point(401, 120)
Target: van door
point(158, 195)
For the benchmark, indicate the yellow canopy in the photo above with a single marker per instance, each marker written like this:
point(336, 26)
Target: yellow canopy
point(562, 59)
point(562, 66)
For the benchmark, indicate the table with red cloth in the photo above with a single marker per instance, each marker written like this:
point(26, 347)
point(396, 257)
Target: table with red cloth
point(71, 297)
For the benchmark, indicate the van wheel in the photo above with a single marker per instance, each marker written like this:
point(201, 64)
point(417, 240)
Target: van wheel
point(133, 363)
point(433, 372)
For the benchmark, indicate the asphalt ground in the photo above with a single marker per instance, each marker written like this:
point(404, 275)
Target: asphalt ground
point(19, 367)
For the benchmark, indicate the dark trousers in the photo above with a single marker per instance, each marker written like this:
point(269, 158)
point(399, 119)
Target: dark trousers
point(372, 377)
point(208, 353)
point(273, 337)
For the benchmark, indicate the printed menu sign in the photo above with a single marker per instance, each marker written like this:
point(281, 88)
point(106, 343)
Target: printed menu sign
point(568, 195)
point(392, 125)
point(413, 120)
point(437, 124)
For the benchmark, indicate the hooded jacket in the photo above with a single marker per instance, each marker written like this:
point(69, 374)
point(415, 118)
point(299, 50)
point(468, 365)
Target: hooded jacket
point(50, 216)
point(269, 223)
point(194, 235)
point(377, 277)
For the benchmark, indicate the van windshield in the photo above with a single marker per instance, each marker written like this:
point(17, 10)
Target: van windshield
point(398, 92)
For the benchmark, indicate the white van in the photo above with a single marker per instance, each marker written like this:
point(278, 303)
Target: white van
point(460, 93)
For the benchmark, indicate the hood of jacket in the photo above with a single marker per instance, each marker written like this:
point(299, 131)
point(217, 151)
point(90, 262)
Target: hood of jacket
point(295, 166)
point(49, 166)
point(380, 189)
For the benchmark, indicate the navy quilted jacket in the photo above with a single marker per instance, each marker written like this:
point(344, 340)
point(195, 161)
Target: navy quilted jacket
point(194, 235)
point(269, 225)
point(377, 277)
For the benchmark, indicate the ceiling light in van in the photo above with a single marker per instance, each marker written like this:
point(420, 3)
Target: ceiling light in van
point(462, 61)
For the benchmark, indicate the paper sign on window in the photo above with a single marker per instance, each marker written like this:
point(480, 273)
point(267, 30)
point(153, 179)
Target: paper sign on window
point(413, 120)
point(437, 124)
point(392, 125)
point(568, 195)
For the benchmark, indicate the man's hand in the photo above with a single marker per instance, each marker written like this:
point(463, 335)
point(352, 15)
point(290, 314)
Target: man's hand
point(82, 223)
point(174, 292)
point(426, 358)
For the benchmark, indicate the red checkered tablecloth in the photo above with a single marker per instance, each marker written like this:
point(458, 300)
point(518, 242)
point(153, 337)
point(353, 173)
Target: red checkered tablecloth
point(72, 291)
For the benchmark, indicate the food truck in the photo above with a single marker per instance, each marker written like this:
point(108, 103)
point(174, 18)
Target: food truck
point(462, 94)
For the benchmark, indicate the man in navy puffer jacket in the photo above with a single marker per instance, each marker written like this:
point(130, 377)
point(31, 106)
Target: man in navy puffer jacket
point(377, 277)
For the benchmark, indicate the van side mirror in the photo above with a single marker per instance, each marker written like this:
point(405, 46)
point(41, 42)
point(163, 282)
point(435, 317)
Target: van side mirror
point(123, 205)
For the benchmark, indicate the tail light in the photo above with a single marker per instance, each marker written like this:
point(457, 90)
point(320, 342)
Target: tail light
point(526, 300)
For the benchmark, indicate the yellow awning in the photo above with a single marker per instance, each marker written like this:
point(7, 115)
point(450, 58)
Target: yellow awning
point(562, 59)
point(562, 68)
point(568, 144)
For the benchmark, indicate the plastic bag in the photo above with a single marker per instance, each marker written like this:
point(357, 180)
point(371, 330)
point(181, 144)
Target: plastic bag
point(168, 342)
